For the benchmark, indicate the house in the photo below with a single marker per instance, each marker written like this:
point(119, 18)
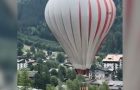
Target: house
point(113, 61)
point(24, 63)
point(99, 74)
point(21, 64)
point(32, 62)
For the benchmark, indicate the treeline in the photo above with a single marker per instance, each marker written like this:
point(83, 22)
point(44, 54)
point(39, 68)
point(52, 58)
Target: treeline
point(33, 28)
point(37, 42)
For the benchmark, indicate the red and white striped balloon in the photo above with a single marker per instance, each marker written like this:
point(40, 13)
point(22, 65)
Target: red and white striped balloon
point(80, 26)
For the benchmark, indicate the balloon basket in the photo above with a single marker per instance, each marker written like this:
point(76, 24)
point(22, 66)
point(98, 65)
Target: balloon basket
point(82, 72)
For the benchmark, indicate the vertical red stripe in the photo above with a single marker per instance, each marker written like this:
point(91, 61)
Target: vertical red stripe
point(90, 18)
point(106, 19)
point(80, 20)
point(99, 17)
point(100, 43)
point(112, 13)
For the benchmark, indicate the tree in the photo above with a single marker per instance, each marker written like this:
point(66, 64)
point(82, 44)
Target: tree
point(71, 74)
point(93, 67)
point(99, 59)
point(38, 67)
point(39, 81)
point(76, 84)
point(18, 78)
point(28, 54)
point(93, 87)
point(50, 87)
point(54, 81)
point(60, 58)
point(73, 85)
point(60, 87)
point(80, 78)
point(104, 86)
point(69, 85)
point(20, 44)
point(23, 79)
point(40, 54)
point(32, 49)
point(46, 75)
point(31, 66)
point(19, 48)
point(62, 73)
point(42, 78)
point(54, 72)
point(51, 64)
point(19, 52)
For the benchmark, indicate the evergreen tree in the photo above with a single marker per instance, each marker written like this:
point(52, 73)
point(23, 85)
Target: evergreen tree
point(39, 81)
point(23, 79)
point(71, 74)
point(62, 73)
point(32, 49)
point(50, 87)
point(54, 72)
point(60, 58)
point(54, 81)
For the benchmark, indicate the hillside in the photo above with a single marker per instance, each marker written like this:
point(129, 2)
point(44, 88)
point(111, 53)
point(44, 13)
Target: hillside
point(33, 30)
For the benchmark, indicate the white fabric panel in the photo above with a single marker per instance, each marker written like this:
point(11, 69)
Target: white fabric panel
point(65, 42)
point(112, 10)
point(107, 25)
point(63, 18)
point(74, 9)
point(109, 18)
point(66, 21)
point(70, 29)
point(97, 39)
point(55, 31)
point(61, 29)
point(84, 28)
point(94, 10)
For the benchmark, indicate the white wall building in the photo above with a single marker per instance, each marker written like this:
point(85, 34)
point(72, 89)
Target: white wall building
point(99, 74)
point(113, 61)
point(22, 64)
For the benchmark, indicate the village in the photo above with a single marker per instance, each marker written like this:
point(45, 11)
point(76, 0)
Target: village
point(107, 69)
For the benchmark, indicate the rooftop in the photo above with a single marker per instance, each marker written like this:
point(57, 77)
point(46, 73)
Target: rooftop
point(113, 57)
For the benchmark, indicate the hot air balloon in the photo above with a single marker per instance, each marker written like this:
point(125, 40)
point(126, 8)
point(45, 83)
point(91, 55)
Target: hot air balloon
point(80, 26)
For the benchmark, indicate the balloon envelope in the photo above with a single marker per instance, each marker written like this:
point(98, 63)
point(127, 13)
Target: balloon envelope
point(80, 27)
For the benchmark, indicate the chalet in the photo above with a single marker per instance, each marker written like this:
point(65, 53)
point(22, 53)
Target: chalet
point(113, 61)
point(22, 64)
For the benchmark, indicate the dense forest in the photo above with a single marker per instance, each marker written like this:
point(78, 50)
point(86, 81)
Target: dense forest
point(33, 30)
